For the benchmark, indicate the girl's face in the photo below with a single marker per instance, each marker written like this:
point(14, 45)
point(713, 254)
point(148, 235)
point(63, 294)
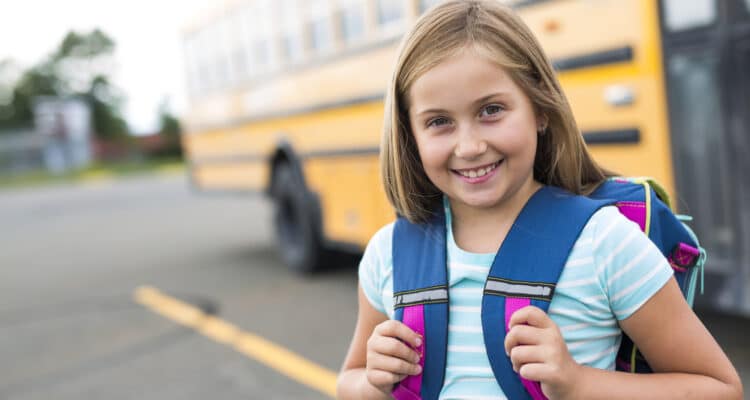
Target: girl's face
point(476, 131)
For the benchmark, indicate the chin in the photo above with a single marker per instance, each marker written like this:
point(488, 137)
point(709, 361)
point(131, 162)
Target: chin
point(483, 201)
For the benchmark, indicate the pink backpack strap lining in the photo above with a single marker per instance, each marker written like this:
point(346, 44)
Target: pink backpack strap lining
point(513, 304)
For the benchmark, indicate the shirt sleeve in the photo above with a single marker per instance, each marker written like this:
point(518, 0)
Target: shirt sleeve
point(630, 267)
point(373, 267)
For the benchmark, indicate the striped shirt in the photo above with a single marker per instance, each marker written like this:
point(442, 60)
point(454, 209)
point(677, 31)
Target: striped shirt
point(612, 271)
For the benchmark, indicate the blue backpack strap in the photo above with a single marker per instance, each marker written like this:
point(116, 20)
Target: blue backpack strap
point(638, 199)
point(526, 270)
point(420, 299)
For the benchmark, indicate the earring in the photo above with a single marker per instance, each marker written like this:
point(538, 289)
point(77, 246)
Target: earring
point(541, 130)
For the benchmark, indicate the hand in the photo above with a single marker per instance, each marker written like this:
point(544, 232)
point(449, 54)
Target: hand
point(539, 353)
point(389, 358)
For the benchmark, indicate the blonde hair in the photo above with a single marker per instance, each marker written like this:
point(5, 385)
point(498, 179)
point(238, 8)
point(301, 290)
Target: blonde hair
point(497, 33)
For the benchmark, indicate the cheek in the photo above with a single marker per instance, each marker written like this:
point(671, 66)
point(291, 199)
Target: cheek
point(434, 152)
point(520, 136)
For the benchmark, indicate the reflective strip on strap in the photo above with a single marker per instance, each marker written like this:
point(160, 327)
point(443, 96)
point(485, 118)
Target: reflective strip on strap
point(508, 288)
point(431, 295)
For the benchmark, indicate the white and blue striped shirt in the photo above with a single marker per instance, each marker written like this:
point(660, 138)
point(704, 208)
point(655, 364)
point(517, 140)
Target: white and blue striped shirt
point(613, 270)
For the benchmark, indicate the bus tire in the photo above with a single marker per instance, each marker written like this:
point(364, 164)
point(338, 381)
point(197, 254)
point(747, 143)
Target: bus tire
point(295, 221)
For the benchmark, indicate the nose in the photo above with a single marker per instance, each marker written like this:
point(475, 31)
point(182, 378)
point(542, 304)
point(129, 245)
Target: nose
point(469, 143)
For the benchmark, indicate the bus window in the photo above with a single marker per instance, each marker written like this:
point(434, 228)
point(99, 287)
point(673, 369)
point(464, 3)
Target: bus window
point(258, 20)
point(238, 57)
point(424, 5)
point(215, 72)
point(390, 11)
point(352, 20)
point(683, 15)
point(321, 37)
point(191, 61)
point(291, 22)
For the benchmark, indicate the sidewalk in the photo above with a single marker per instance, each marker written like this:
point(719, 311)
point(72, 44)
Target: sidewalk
point(94, 174)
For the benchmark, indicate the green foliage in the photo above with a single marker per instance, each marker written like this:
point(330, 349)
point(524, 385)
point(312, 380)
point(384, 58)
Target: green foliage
point(84, 46)
point(169, 130)
point(71, 70)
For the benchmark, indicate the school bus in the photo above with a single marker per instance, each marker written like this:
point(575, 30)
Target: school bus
point(286, 99)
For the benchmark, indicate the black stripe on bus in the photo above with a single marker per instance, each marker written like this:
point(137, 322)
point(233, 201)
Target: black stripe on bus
point(612, 56)
point(229, 159)
point(614, 136)
point(359, 151)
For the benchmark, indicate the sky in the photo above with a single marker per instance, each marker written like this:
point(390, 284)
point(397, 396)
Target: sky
point(148, 52)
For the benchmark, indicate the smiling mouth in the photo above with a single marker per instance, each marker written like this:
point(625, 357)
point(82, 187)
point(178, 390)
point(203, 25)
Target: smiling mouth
point(477, 172)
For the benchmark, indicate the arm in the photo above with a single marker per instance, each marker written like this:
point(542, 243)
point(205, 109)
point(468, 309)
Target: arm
point(377, 357)
point(687, 361)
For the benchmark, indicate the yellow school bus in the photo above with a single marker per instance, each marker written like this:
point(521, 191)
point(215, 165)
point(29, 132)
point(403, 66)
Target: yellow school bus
point(286, 98)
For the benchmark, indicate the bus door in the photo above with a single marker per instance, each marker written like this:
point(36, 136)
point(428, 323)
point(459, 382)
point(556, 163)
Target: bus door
point(706, 63)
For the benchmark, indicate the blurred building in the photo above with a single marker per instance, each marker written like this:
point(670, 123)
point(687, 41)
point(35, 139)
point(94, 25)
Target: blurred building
point(60, 140)
point(65, 126)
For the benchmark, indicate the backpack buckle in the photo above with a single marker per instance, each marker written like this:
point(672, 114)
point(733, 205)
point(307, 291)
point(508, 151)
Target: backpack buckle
point(684, 256)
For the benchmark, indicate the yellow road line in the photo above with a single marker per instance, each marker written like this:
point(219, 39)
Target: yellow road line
point(272, 355)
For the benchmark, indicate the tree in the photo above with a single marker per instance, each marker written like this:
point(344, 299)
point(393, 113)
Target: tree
point(79, 66)
point(169, 130)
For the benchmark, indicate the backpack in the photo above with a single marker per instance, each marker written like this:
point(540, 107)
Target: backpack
point(552, 219)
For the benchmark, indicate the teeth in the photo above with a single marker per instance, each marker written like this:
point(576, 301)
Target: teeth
point(478, 172)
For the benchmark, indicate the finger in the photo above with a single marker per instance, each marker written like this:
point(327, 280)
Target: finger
point(521, 355)
point(394, 365)
point(530, 315)
point(394, 348)
point(522, 335)
point(538, 372)
point(399, 330)
point(382, 379)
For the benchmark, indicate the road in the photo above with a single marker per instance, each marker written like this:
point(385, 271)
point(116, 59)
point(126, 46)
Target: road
point(71, 326)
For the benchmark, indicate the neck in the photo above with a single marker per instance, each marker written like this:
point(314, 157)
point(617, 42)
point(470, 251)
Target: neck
point(482, 230)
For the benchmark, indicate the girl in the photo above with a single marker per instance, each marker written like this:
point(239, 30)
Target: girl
point(476, 123)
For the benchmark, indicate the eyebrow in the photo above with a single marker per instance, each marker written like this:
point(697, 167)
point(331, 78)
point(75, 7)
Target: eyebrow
point(475, 102)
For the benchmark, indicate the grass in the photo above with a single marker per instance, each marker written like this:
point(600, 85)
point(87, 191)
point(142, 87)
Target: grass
point(96, 171)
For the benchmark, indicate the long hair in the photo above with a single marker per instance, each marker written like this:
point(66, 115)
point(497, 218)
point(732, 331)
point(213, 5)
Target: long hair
point(498, 34)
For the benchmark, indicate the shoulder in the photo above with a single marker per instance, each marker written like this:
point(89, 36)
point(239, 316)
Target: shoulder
point(376, 260)
point(629, 266)
point(609, 223)
point(376, 266)
point(381, 242)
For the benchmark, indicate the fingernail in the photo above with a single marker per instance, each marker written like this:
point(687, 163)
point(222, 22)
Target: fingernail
point(419, 369)
point(419, 341)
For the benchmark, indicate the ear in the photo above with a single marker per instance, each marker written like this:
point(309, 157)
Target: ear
point(542, 121)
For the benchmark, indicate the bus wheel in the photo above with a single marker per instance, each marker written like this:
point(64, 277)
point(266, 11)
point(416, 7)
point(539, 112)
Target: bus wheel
point(294, 218)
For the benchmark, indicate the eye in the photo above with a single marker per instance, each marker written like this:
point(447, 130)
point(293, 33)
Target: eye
point(490, 110)
point(438, 122)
